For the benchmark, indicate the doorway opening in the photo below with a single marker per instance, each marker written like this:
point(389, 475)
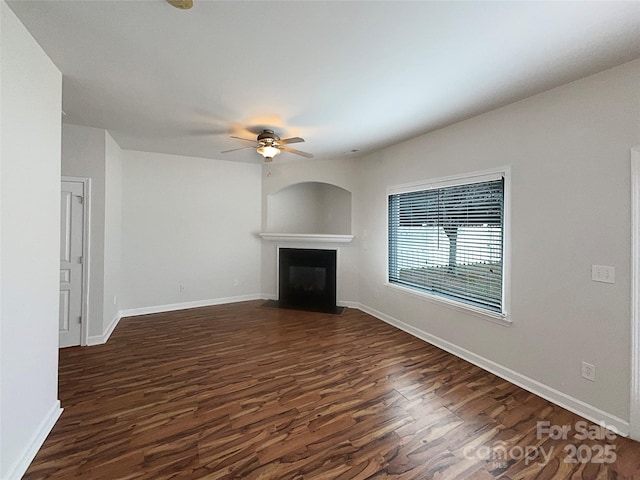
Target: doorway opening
point(74, 250)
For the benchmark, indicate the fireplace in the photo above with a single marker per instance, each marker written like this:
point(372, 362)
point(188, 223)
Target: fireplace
point(307, 279)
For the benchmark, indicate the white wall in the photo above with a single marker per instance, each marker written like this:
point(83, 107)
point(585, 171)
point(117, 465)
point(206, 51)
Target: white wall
point(310, 207)
point(336, 208)
point(188, 221)
point(341, 173)
point(83, 155)
point(295, 209)
point(569, 153)
point(112, 232)
point(29, 245)
point(93, 153)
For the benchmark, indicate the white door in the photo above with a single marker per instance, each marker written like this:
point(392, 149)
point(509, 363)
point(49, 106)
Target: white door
point(71, 271)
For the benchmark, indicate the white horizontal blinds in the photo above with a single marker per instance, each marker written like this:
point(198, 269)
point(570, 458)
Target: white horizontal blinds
point(448, 241)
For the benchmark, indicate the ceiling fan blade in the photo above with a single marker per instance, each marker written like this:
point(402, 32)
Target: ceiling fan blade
point(296, 152)
point(245, 139)
point(234, 149)
point(181, 4)
point(291, 140)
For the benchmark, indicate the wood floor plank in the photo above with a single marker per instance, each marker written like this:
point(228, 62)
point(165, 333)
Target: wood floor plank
point(243, 391)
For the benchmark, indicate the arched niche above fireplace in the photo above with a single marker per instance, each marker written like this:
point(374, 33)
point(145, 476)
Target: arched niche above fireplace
point(309, 208)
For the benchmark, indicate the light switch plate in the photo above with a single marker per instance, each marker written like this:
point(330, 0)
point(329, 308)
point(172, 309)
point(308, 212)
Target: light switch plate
point(603, 273)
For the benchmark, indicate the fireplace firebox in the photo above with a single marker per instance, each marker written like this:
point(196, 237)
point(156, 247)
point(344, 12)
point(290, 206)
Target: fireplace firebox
point(307, 279)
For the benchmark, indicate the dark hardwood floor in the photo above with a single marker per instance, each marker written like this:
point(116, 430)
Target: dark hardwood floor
point(245, 391)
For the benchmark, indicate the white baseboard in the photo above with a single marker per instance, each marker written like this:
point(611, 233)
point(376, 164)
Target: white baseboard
point(348, 304)
point(95, 340)
point(112, 326)
point(101, 339)
point(548, 393)
point(17, 470)
point(185, 305)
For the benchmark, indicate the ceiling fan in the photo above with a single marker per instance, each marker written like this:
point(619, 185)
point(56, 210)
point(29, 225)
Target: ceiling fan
point(268, 144)
point(181, 4)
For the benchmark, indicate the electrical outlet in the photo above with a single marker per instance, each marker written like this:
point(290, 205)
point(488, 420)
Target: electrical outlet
point(588, 371)
point(115, 300)
point(236, 282)
point(603, 273)
point(181, 288)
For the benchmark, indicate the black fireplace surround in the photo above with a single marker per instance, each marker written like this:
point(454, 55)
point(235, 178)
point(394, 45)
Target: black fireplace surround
point(308, 279)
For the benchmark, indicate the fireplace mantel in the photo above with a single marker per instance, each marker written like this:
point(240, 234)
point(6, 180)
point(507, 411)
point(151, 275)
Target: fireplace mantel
point(306, 237)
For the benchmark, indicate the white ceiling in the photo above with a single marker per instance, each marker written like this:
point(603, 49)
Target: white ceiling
point(344, 75)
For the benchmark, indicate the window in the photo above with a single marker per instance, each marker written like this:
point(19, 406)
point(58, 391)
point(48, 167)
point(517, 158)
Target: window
point(446, 239)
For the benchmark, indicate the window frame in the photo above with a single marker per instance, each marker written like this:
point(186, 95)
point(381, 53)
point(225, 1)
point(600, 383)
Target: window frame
point(503, 317)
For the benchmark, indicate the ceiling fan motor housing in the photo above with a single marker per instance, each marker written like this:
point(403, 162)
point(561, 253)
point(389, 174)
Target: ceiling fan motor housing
point(268, 137)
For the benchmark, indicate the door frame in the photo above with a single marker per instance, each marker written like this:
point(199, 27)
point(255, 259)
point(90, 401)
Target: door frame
point(634, 404)
point(86, 250)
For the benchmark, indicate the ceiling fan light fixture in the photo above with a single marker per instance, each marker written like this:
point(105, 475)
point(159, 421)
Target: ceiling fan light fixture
point(268, 152)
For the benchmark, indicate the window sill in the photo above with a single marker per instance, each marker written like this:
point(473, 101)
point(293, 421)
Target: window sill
point(494, 317)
